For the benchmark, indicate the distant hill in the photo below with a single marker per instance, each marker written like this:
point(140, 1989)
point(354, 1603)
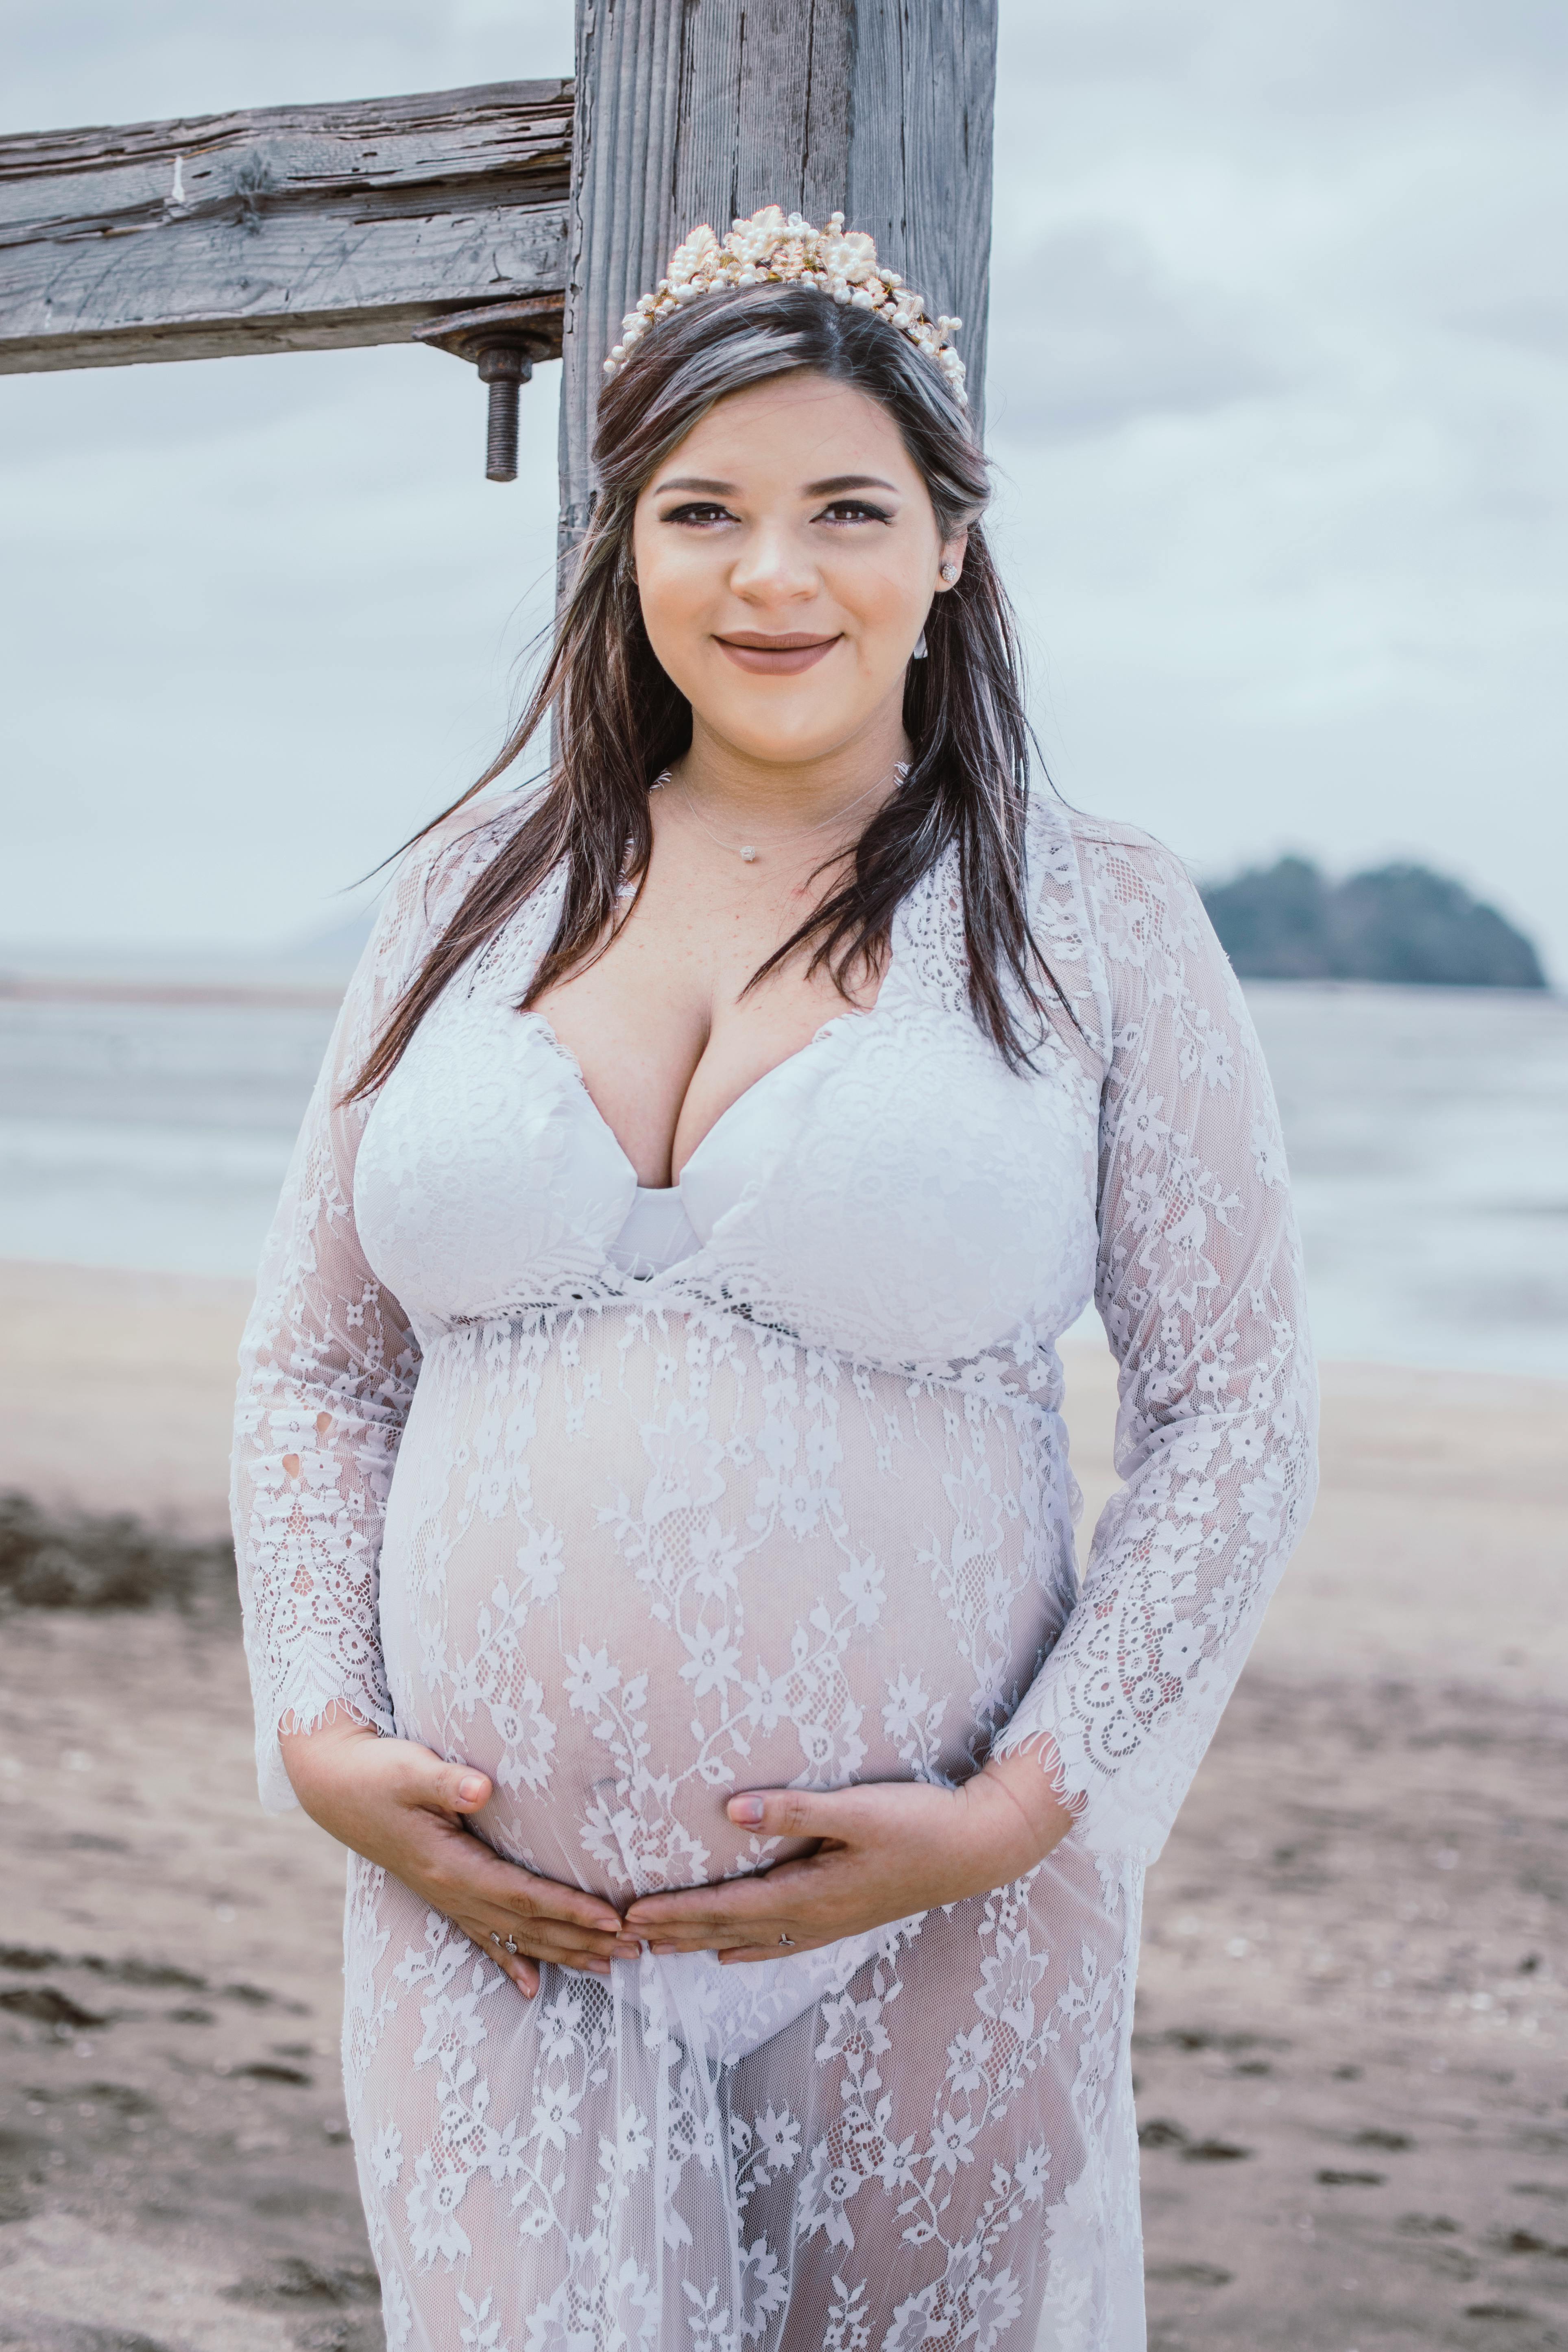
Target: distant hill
point(1398, 923)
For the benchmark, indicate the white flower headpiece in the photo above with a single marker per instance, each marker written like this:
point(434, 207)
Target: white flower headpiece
point(770, 249)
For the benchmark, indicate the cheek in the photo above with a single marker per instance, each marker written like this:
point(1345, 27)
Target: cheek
point(884, 592)
point(674, 597)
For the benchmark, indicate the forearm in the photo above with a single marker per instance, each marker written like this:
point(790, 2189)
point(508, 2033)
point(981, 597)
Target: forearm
point(1028, 1782)
point(322, 1769)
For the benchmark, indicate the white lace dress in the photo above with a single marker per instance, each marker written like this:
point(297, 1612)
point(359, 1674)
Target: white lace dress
point(632, 1501)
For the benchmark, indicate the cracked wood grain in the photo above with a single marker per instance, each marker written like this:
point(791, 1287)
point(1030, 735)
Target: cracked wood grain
point(286, 228)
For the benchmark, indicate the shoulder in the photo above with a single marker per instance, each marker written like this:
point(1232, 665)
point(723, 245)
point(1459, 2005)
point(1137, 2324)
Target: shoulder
point(438, 867)
point(1120, 871)
point(461, 845)
point(1146, 928)
point(1099, 839)
point(1121, 860)
point(429, 882)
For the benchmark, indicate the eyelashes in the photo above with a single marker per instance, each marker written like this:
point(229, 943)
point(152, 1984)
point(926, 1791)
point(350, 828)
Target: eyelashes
point(698, 515)
point(704, 515)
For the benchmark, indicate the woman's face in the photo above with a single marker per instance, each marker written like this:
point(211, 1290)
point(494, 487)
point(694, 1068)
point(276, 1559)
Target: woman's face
point(786, 556)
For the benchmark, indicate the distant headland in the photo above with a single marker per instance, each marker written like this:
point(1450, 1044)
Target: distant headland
point(1399, 923)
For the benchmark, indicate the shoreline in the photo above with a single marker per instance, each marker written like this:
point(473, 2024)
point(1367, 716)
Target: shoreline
point(253, 995)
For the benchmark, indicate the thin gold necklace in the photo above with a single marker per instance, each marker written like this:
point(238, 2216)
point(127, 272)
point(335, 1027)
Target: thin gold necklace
point(747, 852)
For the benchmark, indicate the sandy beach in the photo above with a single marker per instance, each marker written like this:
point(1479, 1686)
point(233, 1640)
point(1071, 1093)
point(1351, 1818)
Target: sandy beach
point(1353, 2043)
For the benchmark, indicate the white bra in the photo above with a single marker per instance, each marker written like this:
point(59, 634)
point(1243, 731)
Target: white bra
point(892, 1191)
point(657, 1233)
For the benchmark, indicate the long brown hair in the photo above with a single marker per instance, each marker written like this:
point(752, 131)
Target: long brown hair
point(619, 721)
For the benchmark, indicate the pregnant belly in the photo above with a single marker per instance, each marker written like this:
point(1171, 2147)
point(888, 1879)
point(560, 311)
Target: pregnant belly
point(632, 1564)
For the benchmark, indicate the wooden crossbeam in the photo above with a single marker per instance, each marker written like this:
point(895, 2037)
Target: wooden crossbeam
point(281, 230)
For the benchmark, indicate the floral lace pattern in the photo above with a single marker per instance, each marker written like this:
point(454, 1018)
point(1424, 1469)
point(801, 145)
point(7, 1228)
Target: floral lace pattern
point(797, 1508)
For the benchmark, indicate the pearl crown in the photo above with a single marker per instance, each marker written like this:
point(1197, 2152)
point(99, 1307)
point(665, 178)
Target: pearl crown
point(770, 248)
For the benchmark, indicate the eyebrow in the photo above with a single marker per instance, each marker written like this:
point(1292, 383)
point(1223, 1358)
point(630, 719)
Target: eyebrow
point(849, 482)
point(834, 482)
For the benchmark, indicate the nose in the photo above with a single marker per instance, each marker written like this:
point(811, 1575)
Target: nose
point(773, 568)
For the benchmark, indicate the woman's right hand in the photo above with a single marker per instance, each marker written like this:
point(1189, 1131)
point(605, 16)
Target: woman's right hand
point(399, 1805)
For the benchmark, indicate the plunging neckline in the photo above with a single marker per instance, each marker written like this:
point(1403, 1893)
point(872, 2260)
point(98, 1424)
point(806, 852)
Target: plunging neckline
point(663, 1192)
point(818, 1036)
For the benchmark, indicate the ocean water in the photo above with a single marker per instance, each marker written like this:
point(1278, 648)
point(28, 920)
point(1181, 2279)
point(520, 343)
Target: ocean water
point(1427, 1130)
point(150, 1135)
point(1428, 1133)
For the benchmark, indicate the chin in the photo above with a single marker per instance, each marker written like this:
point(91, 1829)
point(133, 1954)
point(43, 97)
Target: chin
point(788, 737)
point(775, 748)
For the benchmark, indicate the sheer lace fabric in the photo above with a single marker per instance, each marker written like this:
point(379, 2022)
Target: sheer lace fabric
point(631, 1529)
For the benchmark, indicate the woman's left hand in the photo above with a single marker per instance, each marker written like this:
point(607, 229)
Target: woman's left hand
point(884, 1849)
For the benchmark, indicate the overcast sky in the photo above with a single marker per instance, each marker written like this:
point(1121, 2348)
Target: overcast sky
point(1278, 399)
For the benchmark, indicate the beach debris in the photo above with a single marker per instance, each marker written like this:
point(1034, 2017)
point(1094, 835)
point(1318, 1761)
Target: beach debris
point(45, 2005)
point(114, 1561)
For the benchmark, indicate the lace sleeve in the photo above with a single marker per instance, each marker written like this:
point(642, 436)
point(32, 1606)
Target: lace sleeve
point(328, 1365)
point(1200, 1290)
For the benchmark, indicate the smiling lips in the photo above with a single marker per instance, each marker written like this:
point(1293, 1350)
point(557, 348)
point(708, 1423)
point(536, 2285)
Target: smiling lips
point(774, 657)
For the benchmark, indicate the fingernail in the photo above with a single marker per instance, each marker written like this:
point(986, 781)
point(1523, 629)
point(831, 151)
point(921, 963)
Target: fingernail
point(746, 1809)
point(470, 1789)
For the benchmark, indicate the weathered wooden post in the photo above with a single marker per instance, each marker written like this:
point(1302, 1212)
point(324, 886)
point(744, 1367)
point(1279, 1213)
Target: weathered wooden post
point(699, 110)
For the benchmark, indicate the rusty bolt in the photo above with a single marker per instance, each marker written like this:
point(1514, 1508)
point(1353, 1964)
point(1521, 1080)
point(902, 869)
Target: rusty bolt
point(504, 368)
point(503, 341)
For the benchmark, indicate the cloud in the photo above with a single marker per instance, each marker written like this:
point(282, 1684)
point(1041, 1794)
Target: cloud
point(1090, 332)
point(1531, 324)
point(83, 61)
point(1260, 63)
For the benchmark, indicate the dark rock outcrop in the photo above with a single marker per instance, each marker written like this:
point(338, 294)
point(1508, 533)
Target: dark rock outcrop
point(1400, 923)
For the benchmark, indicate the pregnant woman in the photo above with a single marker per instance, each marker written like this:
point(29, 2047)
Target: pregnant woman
point(651, 1493)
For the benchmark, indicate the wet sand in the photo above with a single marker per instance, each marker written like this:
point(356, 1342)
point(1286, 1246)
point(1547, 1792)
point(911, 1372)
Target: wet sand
point(1352, 2043)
